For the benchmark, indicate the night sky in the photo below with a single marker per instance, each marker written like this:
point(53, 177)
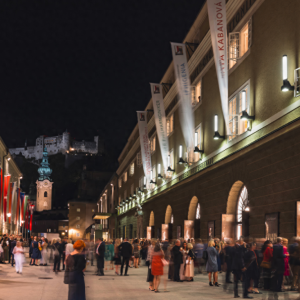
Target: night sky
point(84, 66)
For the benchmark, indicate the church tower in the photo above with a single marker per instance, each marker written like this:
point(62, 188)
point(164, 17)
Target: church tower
point(44, 185)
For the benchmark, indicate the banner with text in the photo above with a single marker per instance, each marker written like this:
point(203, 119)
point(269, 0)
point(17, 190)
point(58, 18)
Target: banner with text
point(184, 88)
point(218, 32)
point(145, 146)
point(160, 121)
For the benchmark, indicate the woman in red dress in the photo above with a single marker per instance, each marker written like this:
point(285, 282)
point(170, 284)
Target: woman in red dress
point(286, 273)
point(157, 266)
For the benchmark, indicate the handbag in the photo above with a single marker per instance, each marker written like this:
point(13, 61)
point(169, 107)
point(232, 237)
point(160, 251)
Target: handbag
point(266, 264)
point(165, 262)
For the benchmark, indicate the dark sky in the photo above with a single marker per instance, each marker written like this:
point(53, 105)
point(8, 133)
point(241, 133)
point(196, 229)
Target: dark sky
point(83, 65)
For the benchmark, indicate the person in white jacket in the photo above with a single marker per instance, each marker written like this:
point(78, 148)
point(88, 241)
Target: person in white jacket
point(18, 252)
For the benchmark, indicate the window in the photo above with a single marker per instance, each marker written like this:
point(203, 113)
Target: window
point(239, 43)
point(236, 125)
point(139, 159)
point(50, 230)
point(132, 189)
point(198, 136)
point(153, 144)
point(120, 182)
point(78, 209)
point(45, 194)
point(196, 93)
point(125, 177)
point(131, 169)
point(170, 124)
point(77, 226)
point(77, 218)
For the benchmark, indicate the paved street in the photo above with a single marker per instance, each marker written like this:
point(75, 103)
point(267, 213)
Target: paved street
point(34, 285)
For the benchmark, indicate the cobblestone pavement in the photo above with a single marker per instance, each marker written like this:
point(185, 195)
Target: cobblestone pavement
point(42, 283)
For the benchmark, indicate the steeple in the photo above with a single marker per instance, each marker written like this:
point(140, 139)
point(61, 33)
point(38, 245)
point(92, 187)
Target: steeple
point(44, 169)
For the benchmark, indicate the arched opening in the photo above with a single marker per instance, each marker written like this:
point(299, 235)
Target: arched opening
point(192, 209)
point(151, 220)
point(168, 214)
point(198, 212)
point(242, 213)
point(45, 194)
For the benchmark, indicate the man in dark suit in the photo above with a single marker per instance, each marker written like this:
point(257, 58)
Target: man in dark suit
point(63, 256)
point(278, 266)
point(12, 246)
point(126, 252)
point(229, 253)
point(177, 260)
point(238, 265)
point(100, 251)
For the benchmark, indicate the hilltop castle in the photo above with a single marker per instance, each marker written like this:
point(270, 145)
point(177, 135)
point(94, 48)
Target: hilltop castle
point(57, 144)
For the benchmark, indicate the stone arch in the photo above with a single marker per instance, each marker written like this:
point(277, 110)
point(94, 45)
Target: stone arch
point(233, 197)
point(192, 209)
point(168, 214)
point(151, 220)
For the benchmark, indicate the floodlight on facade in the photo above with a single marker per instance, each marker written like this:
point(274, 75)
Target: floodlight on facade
point(217, 135)
point(286, 84)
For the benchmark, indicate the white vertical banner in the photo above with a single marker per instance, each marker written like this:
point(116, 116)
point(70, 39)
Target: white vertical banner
point(218, 32)
point(145, 145)
point(160, 121)
point(184, 87)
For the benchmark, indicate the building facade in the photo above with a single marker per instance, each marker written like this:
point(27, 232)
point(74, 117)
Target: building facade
point(245, 183)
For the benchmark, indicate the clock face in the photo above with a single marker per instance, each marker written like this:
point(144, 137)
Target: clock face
point(45, 183)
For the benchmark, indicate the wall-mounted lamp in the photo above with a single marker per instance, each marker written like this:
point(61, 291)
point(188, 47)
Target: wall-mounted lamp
point(197, 150)
point(159, 171)
point(145, 182)
point(134, 194)
point(21, 177)
point(130, 197)
point(286, 84)
point(247, 208)
point(139, 191)
point(245, 115)
point(169, 165)
point(126, 200)
point(8, 159)
point(181, 160)
point(217, 135)
point(151, 181)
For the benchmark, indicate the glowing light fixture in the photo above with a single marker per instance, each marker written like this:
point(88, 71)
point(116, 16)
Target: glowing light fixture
point(169, 165)
point(247, 208)
point(197, 150)
point(145, 182)
point(8, 159)
point(159, 171)
point(286, 84)
point(181, 160)
point(245, 115)
point(217, 135)
point(9, 215)
point(152, 181)
point(130, 197)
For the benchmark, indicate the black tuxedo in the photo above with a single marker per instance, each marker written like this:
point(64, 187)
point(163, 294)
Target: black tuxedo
point(100, 251)
point(126, 252)
point(229, 253)
point(237, 265)
point(278, 266)
point(177, 261)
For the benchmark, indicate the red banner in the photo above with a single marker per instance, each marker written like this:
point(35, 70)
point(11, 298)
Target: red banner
point(31, 213)
point(1, 186)
point(18, 207)
point(6, 182)
point(11, 186)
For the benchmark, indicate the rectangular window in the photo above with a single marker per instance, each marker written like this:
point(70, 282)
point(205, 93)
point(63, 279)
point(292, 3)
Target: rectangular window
point(170, 124)
point(120, 182)
point(239, 43)
point(77, 226)
point(196, 93)
point(153, 144)
point(131, 169)
point(139, 159)
point(77, 218)
point(125, 177)
point(78, 209)
point(236, 125)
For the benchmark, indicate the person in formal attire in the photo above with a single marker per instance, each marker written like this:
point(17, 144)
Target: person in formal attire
point(286, 273)
point(57, 247)
point(69, 248)
point(100, 253)
point(126, 253)
point(157, 266)
point(238, 265)
point(294, 263)
point(18, 252)
point(198, 250)
point(117, 257)
point(149, 264)
point(189, 268)
point(184, 251)
point(278, 265)
point(178, 260)
point(212, 263)
point(63, 253)
point(12, 246)
point(44, 253)
point(267, 251)
point(30, 239)
point(136, 253)
point(228, 253)
point(36, 253)
point(75, 265)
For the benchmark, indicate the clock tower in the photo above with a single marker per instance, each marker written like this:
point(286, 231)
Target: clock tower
point(44, 185)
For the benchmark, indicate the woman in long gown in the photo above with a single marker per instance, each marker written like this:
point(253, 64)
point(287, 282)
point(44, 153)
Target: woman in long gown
point(75, 265)
point(36, 253)
point(189, 268)
point(184, 252)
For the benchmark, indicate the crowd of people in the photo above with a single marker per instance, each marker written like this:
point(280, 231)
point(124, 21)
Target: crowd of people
point(264, 265)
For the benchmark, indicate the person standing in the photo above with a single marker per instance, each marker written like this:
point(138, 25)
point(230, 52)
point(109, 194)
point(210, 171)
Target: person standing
point(157, 266)
point(267, 251)
point(69, 248)
point(198, 249)
point(189, 269)
point(229, 252)
point(126, 253)
point(100, 252)
point(57, 255)
point(18, 252)
point(184, 252)
point(212, 263)
point(12, 246)
point(36, 253)
point(178, 260)
point(136, 253)
point(75, 267)
point(117, 257)
point(63, 253)
point(44, 260)
point(278, 265)
point(286, 273)
point(294, 263)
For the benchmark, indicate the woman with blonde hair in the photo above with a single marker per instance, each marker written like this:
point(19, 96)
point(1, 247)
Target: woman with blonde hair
point(117, 257)
point(74, 277)
point(212, 264)
point(189, 268)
